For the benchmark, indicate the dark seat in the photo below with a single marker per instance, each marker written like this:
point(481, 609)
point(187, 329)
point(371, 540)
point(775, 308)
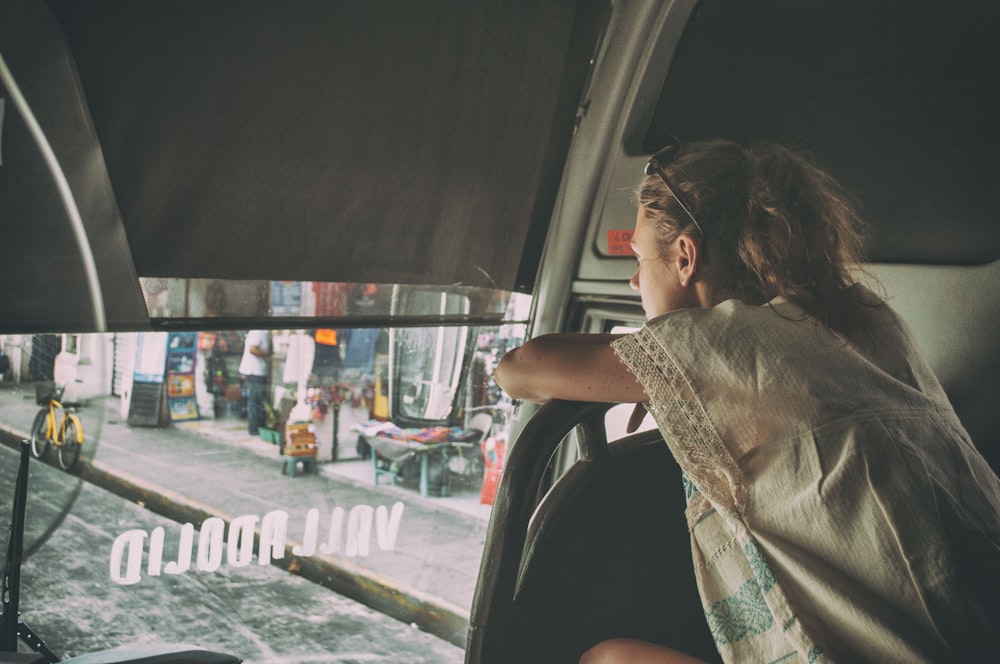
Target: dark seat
point(604, 553)
point(155, 653)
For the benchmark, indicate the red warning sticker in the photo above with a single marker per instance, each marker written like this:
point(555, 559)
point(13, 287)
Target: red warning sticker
point(620, 243)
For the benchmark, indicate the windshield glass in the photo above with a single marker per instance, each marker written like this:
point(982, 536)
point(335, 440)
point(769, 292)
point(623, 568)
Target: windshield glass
point(248, 490)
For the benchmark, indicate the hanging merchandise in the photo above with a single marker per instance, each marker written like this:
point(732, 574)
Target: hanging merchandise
point(326, 337)
point(215, 370)
point(494, 452)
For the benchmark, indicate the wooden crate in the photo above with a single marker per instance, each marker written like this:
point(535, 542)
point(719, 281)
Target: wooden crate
point(300, 440)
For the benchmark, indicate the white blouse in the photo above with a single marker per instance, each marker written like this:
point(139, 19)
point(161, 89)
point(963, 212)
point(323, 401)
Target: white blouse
point(838, 510)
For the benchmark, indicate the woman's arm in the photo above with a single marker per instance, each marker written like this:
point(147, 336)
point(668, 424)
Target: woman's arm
point(576, 367)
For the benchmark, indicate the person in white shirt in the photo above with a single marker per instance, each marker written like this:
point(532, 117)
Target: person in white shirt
point(254, 373)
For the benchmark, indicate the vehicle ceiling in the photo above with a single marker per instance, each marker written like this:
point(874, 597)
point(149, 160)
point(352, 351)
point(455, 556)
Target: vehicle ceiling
point(424, 143)
point(898, 99)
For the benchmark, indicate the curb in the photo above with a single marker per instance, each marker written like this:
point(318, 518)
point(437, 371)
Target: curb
point(432, 615)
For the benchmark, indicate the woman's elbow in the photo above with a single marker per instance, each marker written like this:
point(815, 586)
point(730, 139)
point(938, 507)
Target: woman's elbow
point(512, 377)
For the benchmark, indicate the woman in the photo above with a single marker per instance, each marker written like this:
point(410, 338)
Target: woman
point(838, 510)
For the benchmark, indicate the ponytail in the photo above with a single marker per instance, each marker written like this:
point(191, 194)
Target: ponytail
point(775, 224)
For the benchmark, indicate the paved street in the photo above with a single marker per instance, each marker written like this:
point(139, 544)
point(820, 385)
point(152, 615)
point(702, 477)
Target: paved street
point(258, 612)
point(262, 612)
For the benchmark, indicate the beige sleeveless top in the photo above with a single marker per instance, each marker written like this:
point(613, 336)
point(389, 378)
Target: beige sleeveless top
point(838, 510)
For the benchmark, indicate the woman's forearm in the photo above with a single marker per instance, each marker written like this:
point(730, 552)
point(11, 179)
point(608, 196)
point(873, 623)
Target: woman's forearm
point(578, 367)
point(579, 338)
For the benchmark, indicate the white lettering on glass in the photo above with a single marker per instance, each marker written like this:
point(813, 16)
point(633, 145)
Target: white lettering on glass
point(336, 524)
point(130, 541)
point(213, 530)
point(184, 548)
point(387, 525)
point(273, 535)
point(359, 530)
point(351, 530)
point(155, 558)
point(308, 546)
point(239, 546)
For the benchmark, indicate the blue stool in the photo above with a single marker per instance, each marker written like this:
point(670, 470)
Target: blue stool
point(289, 463)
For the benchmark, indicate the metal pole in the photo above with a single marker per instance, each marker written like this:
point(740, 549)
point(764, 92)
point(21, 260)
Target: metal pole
point(336, 428)
point(15, 549)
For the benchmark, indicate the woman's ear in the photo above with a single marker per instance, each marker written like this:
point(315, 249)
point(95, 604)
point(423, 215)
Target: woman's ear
point(688, 258)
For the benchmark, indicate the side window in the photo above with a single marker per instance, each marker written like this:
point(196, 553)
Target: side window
point(616, 419)
point(71, 344)
point(620, 319)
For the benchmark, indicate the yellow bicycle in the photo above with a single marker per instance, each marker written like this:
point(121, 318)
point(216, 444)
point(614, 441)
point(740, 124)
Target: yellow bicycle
point(65, 432)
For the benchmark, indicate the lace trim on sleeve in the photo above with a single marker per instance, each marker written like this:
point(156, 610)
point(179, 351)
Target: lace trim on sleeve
point(682, 420)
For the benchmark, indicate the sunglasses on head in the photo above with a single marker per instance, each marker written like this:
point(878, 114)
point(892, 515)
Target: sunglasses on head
point(656, 165)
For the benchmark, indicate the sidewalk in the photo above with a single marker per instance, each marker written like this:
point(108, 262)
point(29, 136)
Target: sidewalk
point(212, 467)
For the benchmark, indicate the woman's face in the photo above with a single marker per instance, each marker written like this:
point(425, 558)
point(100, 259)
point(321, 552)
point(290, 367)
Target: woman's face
point(656, 277)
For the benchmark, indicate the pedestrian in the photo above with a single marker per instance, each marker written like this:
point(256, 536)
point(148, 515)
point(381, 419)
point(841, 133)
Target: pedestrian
point(253, 370)
point(838, 510)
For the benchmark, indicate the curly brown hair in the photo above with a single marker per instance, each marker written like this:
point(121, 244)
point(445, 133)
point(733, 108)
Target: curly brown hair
point(775, 223)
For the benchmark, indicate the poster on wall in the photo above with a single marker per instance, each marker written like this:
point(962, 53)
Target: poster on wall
point(180, 367)
point(150, 358)
point(286, 298)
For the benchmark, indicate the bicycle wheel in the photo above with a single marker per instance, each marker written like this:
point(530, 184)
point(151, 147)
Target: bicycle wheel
point(69, 451)
point(39, 439)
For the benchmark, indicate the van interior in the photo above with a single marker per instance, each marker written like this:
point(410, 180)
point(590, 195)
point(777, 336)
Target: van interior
point(466, 156)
